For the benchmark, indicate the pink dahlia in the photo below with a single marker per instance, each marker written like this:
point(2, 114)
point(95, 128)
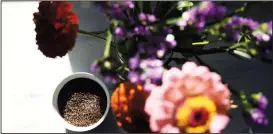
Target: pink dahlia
point(191, 100)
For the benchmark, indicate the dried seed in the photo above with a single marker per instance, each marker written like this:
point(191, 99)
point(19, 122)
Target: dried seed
point(82, 109)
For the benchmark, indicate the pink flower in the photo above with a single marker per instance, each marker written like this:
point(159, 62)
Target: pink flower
point(192, 100)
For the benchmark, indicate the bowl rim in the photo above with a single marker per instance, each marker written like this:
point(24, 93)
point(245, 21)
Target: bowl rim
point(65, 81)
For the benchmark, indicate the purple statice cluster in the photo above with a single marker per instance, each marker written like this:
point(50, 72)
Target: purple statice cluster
point(255, 107)
point(264, 32)
point(138, 26)
point(235, 25)
point(153, 42)
point(145, 71)
point(145, 66)
point(115, 9)
point(198, 15)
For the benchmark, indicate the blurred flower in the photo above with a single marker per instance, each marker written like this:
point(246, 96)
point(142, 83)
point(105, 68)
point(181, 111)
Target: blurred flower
point(142, 17)
point(127, 103)
point(260, 100)
point(149, 71)
point(56, 28)
point(119, 32)
point(151, 18)
point(198, 15)
point(264, 33)
point(254, 106)
point(134, 62)
point(115, 8)
point(175, 105)
point(258, 116)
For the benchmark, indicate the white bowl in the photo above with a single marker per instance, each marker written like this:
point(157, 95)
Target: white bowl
point(59, 88)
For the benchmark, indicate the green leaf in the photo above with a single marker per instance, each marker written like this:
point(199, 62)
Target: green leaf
point(184, 4)
point(241, 53)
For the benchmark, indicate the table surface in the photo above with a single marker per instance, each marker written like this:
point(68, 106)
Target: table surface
point(29, 78)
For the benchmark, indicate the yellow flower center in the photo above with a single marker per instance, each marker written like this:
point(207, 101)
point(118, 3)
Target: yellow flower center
point(195, 114)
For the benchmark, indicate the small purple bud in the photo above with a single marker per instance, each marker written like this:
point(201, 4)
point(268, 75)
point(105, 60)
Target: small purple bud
point(260, 100)
point(258, 116)
point(142, 17)
point(134, 62)
point(151, 18)
point(129, 4)
point(170, 30)
point(146, 30)
point(107, 78)
point(200, 24)
point(119, 31)
point(137, 30)
point(94, 67)
point(116, 5)
point(114, 80)
point(133, 77)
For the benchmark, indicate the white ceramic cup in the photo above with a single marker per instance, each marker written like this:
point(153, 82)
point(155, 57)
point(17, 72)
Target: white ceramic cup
point(60, 87)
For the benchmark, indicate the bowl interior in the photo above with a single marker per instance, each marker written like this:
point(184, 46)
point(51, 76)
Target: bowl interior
point(83, 85)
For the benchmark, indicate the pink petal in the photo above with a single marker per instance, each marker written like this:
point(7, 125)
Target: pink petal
point(173, 95)
point(172, 77)
point(191, 83)
point(188, 67)
point(169, 129)
point(153, 125)
point(215, 77)
point(219, 123)
point(200, 71)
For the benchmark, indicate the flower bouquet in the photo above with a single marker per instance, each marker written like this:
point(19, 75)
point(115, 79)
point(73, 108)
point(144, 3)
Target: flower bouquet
point(151, 95)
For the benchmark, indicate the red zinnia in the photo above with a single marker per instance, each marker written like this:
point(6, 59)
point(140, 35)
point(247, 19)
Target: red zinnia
point(56, 28)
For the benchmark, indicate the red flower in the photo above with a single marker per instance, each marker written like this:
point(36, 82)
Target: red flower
point(56, 28)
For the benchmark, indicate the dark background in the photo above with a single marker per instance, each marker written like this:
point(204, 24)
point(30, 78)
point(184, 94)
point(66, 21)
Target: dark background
point(247, 75)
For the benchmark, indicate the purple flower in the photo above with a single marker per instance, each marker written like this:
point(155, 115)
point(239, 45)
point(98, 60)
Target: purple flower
point(260, 100)
point(134, 77)
point(258, 116)
point(137, 30)
point(128, 4)
point(198, 15)
point(170, 39)
point(134, 62)
point(149, 71)
point(119, 32)
point(151, 18)
point(142, 17)
point(261, 36)
point(94, 67)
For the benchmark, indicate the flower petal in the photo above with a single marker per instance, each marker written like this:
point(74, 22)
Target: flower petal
point(169, 129)
point(188, 67)
point(219, 123)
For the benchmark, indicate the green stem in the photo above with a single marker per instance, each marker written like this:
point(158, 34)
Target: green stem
point(200, 43)
point(91, 34)
point(108, 43)
point(205, 42)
